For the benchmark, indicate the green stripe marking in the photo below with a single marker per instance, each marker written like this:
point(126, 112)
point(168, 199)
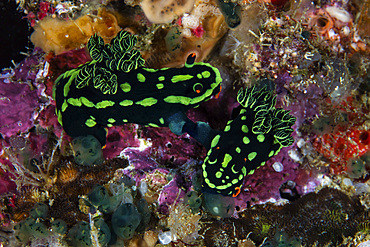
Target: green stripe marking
point(64, 105)
point(177, 78)
point(215, 141)
point(147, 102)
point(244, 171)
point(126, 102)
point(104, 104)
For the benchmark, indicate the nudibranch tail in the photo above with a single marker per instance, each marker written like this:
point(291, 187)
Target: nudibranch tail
point(247, 142)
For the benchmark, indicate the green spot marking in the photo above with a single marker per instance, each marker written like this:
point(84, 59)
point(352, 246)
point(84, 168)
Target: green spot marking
point(245, 128)
point(177, 78)
point(252, 155)
point(204, 173)
point(86, 102)
point(241, 176)
point(152, 125)
point(206, 74)
point(177, 99)
point(64, 105)
point(244, 171)
point(261, 138)
point(147, 102)
point(227, 177)
point(104, 104)
point(271, 153)
point(161, 78)
point(126, 102)
point(74, 102)
point(140, 77)
point(235, 181)
point(246, 140)
point(243, 118)
point(211, 185)
point(125, 120)
point(199, 76)
point(233, 170)
point(150, 70)
point(223, 187)
point(263, 163)
point(110, 125)
point(126, 87)
point(238, 150)
point(161, 120)
point(60, 117)
point(90, 123)
point(227, 159)
point(111, 120)
point(251, 172)
point(218, 174)
point(227, 128)
point(160, 85)
point(215, 141)
point(212, 162)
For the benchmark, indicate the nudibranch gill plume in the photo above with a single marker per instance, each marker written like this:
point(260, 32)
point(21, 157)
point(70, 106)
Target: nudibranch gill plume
point(115, 88)
point(247, 142)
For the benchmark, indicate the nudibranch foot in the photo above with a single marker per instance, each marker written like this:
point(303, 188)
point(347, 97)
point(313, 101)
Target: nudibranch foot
point(179, 124)
point(247, 142)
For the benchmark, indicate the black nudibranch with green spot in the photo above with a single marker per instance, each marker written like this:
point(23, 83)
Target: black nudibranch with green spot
point(247, 142)
point(115, 88)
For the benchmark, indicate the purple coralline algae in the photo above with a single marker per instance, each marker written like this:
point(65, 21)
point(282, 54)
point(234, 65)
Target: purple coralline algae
point(22, 94)
point(313, 55)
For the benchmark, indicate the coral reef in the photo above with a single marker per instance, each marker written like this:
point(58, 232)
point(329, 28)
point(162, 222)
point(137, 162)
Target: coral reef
point(211, 123)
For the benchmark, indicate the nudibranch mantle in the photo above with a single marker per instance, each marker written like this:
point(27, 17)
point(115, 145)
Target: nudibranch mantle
point(247, 142)
point(115, 88)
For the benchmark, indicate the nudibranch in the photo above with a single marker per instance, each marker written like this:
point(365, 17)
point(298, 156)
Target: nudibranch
point(247, 142)
point(115, 88)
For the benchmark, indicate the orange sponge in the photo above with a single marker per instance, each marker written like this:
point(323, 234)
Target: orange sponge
point(58, 36)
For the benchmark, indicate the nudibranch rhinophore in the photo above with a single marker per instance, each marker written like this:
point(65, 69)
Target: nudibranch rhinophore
point(247, 142)
point(115, 88)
